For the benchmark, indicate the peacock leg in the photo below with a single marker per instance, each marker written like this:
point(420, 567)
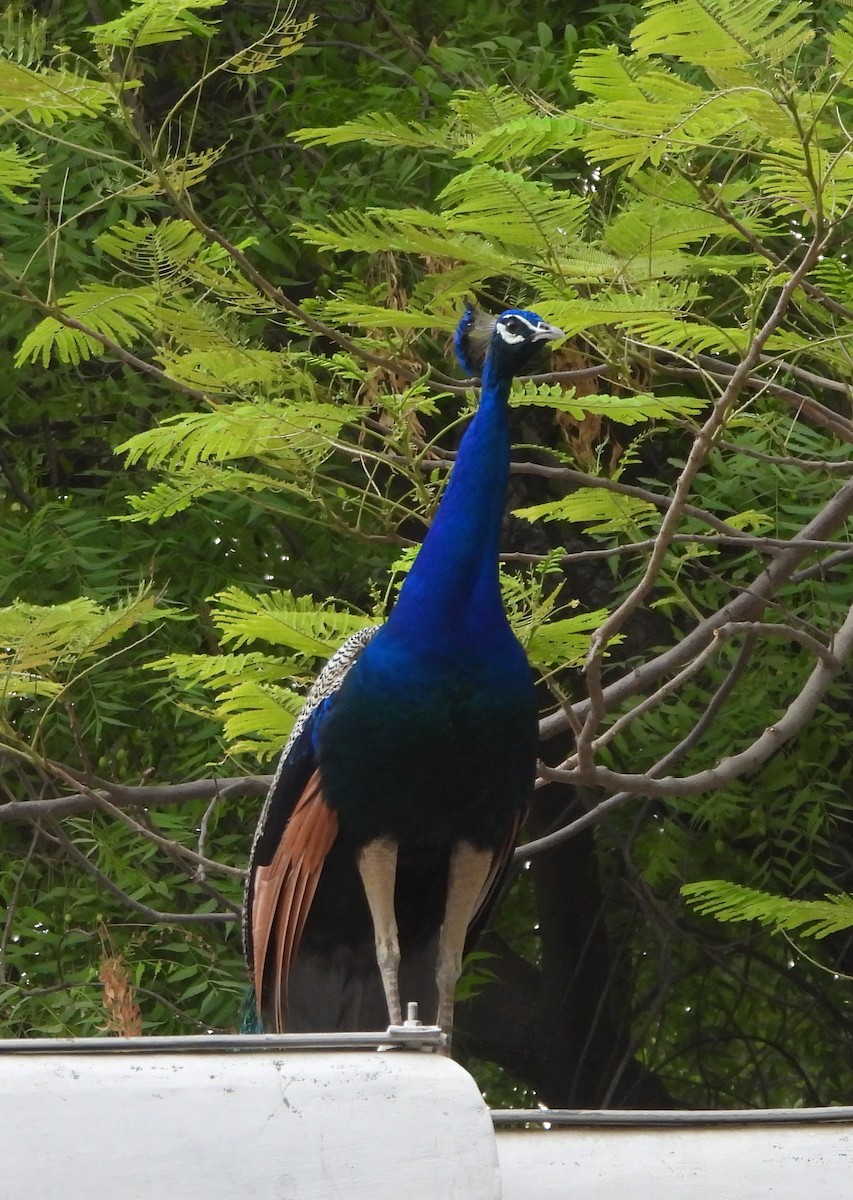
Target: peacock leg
point(469, 870)
point(377, 865)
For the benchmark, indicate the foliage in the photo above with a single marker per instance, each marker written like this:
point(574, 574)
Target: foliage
point(729, 902)
point(259, 451)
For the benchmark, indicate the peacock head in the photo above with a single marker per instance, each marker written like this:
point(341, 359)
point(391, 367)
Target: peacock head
point(511, 340)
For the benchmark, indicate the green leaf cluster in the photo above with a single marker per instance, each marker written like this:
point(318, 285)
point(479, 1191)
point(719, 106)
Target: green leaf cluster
point(732, 902)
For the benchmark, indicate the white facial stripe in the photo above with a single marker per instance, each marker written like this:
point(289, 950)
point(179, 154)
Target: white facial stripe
point(511, 338)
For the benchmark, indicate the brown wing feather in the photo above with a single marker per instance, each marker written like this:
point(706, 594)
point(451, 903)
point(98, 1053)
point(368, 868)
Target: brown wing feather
point(283, 894)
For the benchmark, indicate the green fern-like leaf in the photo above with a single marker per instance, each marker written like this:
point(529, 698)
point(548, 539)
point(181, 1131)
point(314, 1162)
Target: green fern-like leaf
point(191, 328)
point(257, 718)
point(409, 230)
point(804, 180)
point(642, 111)
point(173, 254)
point(378, 129)
point(835, 279)
point(732, 902)
point(35, 637)
point(21, 685)
point(283, 619)
point(564, 642)
point(664, 217)
point(525, 137)
point(235, 431)
point(486, 124)
point(752, 520)
point(23, 36)
point(152, 22)
point(120, 314)
point(617, 307)
point(220, 671)
point(170, 496)
point(227, 367)
point(841, 46)
point(50, 95)
point(284, 37)
point(20, 171)
point(482, 110)
point(484, 210)
point(343, 310)
point(255, 708)
point(725, 36)
point(627, 410)
point(658, 314)
point(181, 172)
point(158, 250)
point(600, 510)
point(177, 492)
point(511, 209)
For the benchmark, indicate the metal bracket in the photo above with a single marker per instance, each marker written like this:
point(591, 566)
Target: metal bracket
point(432, 1037)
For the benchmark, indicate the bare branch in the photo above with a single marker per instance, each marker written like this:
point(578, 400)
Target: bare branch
point(799, 711)
point(843, 466)
point(761, 545)
point(802, 405)
point(600, 811)
point(747, 605)
point(779, 630)
point(735, 766)
point(650, 702)
point(665, 503)
point(819, 569)
point(88, 798)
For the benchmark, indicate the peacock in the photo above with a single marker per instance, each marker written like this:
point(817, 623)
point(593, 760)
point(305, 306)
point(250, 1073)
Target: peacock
point(397, 801)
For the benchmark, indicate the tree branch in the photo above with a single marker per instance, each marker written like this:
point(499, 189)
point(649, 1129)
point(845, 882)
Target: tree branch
point(799, 711)
point(89, 798)
point(748, 604)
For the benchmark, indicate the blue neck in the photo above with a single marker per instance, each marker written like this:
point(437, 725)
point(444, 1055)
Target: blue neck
point(452, 594)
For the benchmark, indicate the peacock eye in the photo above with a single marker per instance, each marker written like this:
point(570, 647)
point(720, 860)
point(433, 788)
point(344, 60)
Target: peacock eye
point(512, 324)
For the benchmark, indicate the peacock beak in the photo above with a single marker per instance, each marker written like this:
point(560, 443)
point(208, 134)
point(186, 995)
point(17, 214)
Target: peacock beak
point(547, 333)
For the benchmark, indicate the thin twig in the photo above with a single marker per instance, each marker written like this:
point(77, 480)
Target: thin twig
point(12, 902)
point(779, 630)
point(152, 914)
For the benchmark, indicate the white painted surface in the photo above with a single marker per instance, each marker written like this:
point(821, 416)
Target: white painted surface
point(266, 1118)
point(716, 1162)
point(259, 1126)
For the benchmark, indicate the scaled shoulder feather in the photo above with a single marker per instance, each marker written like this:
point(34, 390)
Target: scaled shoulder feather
point(326, 684)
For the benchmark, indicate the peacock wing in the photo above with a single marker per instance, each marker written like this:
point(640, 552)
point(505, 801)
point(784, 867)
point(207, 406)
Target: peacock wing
point(283, 891)
point(295, 832)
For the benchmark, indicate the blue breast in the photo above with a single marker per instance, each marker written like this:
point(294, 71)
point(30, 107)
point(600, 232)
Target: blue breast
point(428, 748)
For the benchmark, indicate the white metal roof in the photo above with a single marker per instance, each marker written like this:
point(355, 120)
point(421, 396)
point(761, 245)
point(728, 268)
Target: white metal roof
point(328, 1117)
